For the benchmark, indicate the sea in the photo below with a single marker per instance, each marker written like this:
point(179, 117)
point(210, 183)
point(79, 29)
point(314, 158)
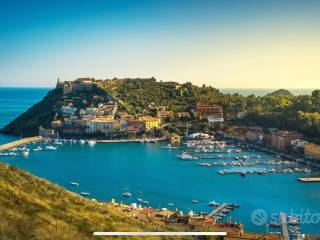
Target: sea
point(156, 175)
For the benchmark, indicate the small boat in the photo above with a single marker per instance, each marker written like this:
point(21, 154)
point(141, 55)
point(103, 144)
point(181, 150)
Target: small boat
point(139, 200)
point(185, 156)
point(243, 173)
point(81, 141)
point(91, 142)
point(37, 149)
point(213, 204)
point(50, 148)
point(126, 194)
point(85, 193)
point(74, 184)
point(195, 201)
point(25, 153)
point(145, 202)
point(171, 204)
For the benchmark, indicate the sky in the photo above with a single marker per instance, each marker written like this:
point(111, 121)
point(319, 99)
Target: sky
point(225, 44)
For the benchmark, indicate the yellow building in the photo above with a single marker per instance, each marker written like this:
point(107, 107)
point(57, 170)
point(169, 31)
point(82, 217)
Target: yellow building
point(312, 150)
point(150, 122)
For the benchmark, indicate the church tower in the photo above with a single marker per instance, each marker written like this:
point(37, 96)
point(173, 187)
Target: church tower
point(59, 83)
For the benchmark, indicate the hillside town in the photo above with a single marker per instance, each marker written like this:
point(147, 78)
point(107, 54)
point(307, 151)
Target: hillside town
point(103, 117)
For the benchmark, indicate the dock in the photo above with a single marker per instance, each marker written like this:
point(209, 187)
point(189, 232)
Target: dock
point(309, 180)
point(283, 219)
point(216, 210)
point(19, 142)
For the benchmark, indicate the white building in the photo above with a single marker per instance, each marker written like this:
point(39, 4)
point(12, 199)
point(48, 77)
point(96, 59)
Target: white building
point(214, 119)
point(68, 110)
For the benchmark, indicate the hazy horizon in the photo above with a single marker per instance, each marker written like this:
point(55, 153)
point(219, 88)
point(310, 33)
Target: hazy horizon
point(226, 44)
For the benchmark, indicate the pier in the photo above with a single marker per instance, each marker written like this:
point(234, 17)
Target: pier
point(19, 142)
point(216, 210)
point(284, 226)
point(309, 180)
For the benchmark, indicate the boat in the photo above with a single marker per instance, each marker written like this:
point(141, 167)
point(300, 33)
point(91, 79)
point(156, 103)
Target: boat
point(195, 201)
point(91, 142)
point(74, 184)
point(145, 202)
point(37, 149)
point(185, 156)
point(85, 193)
point(243, 173)
point(81, 141)
point(213, 204)
point(126, 194)
point(171, 204)
point(50, 148)
point(25, 153)
point(139, 200)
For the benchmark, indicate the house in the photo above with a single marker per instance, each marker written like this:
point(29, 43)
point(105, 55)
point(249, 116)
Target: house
point(68, 110)
point(49, 133)
point(203, 111)
point(135, 126)
point(281, 140)
point(312, 150)
point(150, 122)
point(163, 114)
point(215, 119)
point(254, 134)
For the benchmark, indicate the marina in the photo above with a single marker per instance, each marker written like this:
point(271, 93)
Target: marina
point(83, 167)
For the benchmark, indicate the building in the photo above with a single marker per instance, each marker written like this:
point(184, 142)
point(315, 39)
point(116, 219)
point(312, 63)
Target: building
point(88, 111)
point(182, 115)
point(215, 119)
point(254, 134)
point(50, 133)
point(163, 115)
point(135, 127)
point(150, 122)
point(281, 140)
point(312, 150)
point(127, 117)
point(102, 125)
point(68, 110)
point(203, 111)
point(56, 124)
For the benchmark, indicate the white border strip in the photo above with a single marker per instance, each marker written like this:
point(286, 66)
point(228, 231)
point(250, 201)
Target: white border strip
point(160, 234)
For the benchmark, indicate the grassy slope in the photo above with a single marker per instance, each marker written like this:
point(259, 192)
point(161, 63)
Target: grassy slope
point(33, 208)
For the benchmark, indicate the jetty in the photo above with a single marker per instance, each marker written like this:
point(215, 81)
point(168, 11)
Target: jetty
point(141, 140)
point(19, 142)
point(284, 226)
point(216, 210)
point(309, 179)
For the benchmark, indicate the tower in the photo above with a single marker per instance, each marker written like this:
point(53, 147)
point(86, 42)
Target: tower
point(59, 83)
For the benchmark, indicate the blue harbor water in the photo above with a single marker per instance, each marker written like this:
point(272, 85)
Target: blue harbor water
point(106, 169)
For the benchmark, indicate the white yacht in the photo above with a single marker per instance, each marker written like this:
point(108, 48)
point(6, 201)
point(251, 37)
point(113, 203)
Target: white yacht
point(50, 148)
point(74, 184)
point(91, 142)
point(185, 155)
point(126, 194)
point(81, 141)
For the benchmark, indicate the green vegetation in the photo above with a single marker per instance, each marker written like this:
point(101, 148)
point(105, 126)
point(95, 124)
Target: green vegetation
point(280, 92)
point(279, 109)
point(33, 208)
point(42, 113)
